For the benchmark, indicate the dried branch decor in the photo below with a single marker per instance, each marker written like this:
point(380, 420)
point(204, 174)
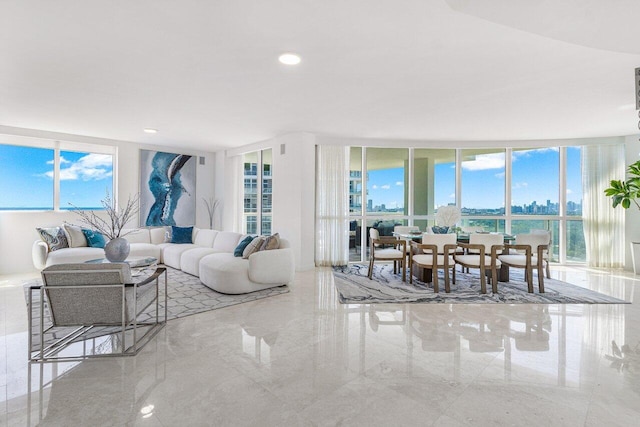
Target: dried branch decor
point(212, 205)
point(111, 227)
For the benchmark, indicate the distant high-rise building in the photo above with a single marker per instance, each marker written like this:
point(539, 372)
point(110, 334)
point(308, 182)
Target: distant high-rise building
point(370, 205)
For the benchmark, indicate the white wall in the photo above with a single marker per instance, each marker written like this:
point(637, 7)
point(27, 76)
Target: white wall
point(294, 195)
point(293, 191)
point(17, 229)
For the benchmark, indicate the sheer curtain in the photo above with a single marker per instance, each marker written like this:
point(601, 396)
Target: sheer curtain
point(234, 191)
point(603, 225)
point(332, 205)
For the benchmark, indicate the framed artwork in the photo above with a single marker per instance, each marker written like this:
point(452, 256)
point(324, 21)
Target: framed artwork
point(167, 189)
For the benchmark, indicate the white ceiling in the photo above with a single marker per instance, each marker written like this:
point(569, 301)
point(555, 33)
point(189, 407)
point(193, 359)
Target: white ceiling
point(205, 73)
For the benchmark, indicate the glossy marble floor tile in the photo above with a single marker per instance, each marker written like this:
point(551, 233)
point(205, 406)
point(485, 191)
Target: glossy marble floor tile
point(303, 359)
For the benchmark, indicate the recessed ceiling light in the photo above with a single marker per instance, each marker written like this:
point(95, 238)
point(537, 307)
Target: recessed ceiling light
point(289, 58)
point(149, 130)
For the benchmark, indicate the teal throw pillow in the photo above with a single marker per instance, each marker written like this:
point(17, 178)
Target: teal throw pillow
point(243, 244)
point(95, 239)
point(181, 234)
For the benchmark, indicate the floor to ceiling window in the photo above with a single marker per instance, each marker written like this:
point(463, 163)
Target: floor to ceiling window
point(483, 188)
point(535, 192)
point(574, 236)
point(434, 183)
point(541, 187)
point(258, 190)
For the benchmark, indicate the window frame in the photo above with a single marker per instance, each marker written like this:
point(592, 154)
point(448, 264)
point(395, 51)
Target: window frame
point(562, 217)
point(57, 146)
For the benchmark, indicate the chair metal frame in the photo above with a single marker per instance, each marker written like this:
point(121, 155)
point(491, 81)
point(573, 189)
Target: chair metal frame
point(48, 353)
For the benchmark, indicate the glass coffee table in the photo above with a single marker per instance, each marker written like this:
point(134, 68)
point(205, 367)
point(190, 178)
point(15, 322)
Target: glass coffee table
point(137, 263)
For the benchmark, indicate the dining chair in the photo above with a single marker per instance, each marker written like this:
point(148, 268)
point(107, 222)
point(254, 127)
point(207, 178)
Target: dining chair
point(387, 248)
point(488, 246)
point(527, 252)
point(547, 252)
point(436, 251)
point(405, 229)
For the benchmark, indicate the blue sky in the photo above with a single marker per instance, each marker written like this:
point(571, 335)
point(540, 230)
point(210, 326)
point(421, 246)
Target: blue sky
point(27, 177)
point(535, 177)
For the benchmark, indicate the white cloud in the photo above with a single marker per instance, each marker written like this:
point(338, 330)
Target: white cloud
point(92, 167)
point(452, 195)
point(500, 175)
point(399, 183)
point(569, 191)
point(484, 162)
point(374, 187)
point(518, 185)
point(517, 154)
point(385, 187)
point(63, 161)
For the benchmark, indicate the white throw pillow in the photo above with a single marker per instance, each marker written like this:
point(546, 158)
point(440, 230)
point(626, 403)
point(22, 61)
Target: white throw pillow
point(75, 236)
point(252, 247)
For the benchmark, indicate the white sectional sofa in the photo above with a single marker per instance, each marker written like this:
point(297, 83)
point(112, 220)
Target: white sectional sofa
point(209, 257)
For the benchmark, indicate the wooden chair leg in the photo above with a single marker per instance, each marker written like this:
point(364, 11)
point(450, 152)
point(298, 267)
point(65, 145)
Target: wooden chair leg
point(529, 275)
point(410, 273)
point(403, 265)
point(540, 281)
point(483, 281)
point(454, 274)
point(434, 278)
point(370, 267)
point(494, 280)
point(447, 287)
point(548, 271)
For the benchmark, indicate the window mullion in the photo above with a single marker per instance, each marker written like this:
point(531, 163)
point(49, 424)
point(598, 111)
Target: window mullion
point(259, 195)
point(56, 176)
point(508, 155)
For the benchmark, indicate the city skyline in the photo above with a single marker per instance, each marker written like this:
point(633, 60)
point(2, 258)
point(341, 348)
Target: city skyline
point(535, 178)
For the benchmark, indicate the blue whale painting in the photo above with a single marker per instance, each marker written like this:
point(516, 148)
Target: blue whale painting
point(166, 183)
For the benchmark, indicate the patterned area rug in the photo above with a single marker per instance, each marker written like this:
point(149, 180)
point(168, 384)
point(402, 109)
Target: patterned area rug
point(354, 287)
point(186, 296)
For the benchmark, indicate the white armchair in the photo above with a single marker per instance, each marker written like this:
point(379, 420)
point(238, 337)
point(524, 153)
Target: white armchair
point(83, 296)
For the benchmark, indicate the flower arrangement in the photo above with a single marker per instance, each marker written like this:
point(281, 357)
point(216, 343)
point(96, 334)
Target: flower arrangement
point(448, 216)
point(111, 227)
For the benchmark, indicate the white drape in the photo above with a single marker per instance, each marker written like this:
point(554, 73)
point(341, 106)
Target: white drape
point(332, 205)
point(603, 225)
point(234, 188)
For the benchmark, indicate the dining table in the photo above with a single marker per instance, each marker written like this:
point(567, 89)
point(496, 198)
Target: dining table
point(424, 274)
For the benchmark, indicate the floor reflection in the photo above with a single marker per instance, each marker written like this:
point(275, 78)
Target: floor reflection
point(50, 386)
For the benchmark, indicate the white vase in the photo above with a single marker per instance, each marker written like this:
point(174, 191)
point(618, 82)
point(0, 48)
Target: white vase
point(117, 250)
